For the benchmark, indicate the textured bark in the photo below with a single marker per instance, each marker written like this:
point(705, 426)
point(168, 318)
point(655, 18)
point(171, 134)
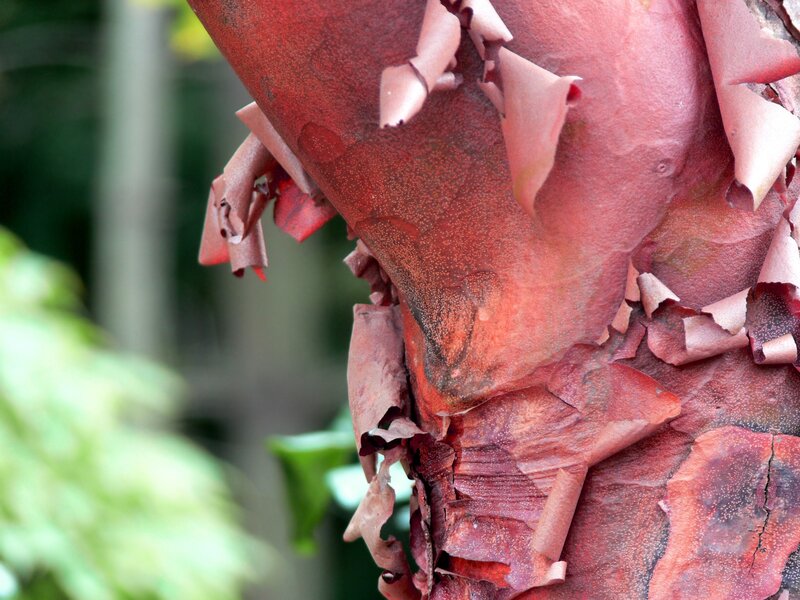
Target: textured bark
point(544, 434)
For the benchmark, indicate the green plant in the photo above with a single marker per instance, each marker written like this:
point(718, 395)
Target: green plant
point(99, 500)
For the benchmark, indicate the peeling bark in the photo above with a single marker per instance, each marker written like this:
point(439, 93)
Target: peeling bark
point(583, 354)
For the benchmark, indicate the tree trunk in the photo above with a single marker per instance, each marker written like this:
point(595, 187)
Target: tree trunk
point(547, 354)
point(133, 266)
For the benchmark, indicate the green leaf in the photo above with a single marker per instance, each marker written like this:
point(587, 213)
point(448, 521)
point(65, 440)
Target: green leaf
point(305, 460)
point(189, 38)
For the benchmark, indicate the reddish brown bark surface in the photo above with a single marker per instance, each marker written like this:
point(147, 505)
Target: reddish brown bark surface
point(521, 406)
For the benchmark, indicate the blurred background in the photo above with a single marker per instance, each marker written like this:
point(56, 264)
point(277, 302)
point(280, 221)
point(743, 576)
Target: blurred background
point(115, 115)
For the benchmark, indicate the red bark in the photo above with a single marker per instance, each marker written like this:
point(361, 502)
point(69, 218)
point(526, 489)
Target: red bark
point(508, 273)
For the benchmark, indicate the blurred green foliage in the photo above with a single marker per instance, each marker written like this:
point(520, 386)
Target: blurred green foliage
point(98, 500)
point(188, 37)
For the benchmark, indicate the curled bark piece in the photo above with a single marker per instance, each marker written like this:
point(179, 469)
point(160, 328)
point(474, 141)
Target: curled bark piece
point(617, 435)
point(250, 161)
point(531, 120)
point(371, 515)
point(622, 318)
point(437, 44)
point(376, 376)
point(705, 338)
point(258, 123)
point(402, 95)
point(619, 323)
point(726, 542)
point(494, 94)
point(556, 517)
point(298, 213)
point(232, 229)
point(213, 245)
point(637, 405)
point(364, 266)
point(632, 293)
point(771, 316)
point(680, 335)
point(782, 263)
point(729, 313)
point(404, 88)
point(763, 135)
point(485, 25)
point(779, 351)
point(251, 251)
point(535, 103)
point(654, 293)
point(359, 260)
point(401, 428)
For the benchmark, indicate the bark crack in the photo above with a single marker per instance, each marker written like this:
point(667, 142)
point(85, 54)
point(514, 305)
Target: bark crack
point(766, 504)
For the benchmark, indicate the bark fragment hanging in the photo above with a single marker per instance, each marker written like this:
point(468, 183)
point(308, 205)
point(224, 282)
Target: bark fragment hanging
point(232, 230)
point(263, 168)
point(371, 515)
point(377, 383)
point(535, 104)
